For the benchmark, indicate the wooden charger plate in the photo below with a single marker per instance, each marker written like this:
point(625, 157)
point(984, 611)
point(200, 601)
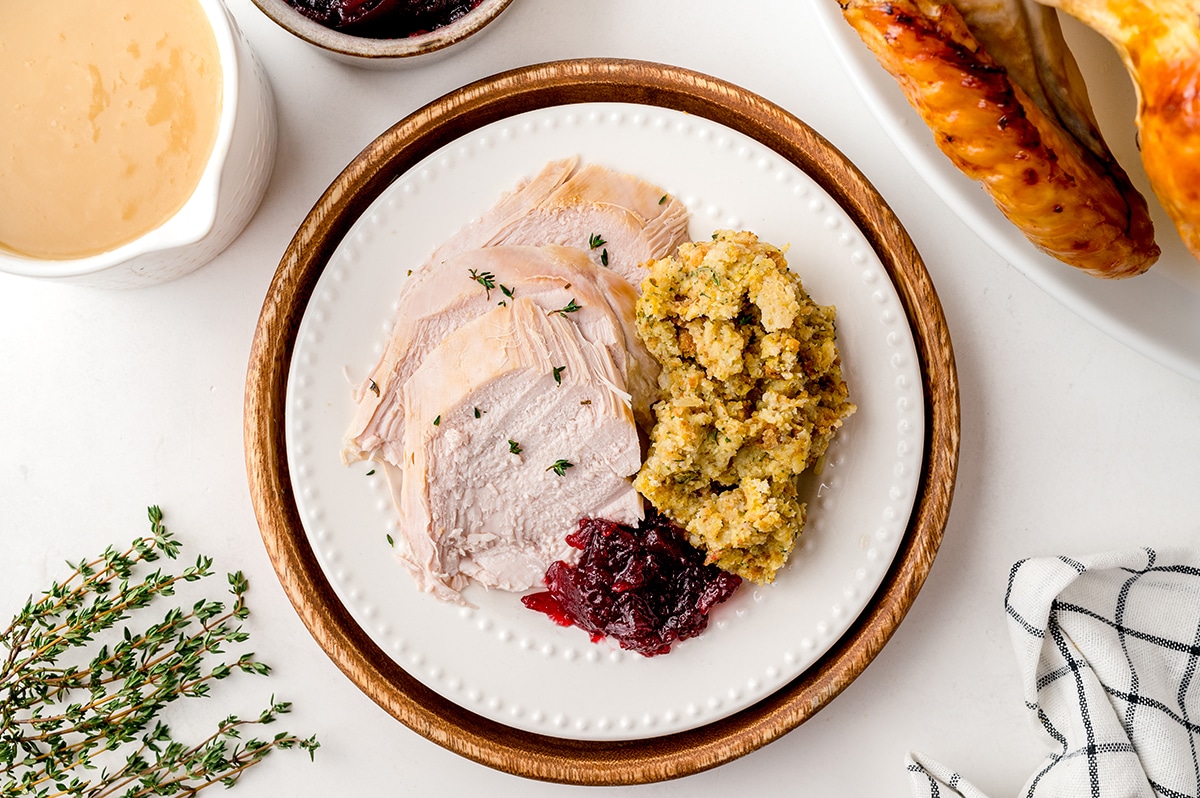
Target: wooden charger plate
point(335, 628)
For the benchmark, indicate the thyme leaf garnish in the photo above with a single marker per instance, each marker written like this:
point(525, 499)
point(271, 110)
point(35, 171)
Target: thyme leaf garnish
point(604, 257)
point(570, 307)
point(437, 421)
point(560, 467)
point(513, 446)
point(558, 370)
point(595, 241)
point(486, 279)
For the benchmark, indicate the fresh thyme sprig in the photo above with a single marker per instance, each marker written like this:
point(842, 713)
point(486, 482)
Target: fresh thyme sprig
point(71, 725)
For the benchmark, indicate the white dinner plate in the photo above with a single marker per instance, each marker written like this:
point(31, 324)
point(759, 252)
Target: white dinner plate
point(513, 665)
point(1157, 313)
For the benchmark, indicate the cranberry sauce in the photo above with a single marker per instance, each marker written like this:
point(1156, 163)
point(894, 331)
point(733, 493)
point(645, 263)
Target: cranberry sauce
point(384, 19)
point(646, 587)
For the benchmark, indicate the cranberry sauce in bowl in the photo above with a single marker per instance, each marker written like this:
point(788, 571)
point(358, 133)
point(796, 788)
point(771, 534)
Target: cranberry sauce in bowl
point(383, 34)
point(384, 19)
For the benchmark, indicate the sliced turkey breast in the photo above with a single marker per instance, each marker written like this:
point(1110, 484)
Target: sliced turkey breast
point(516, 428)
point(440, 300)
point(581, 207)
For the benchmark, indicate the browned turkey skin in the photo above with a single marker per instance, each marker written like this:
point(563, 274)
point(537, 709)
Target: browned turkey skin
point(1077, 207)
point(1159, 41)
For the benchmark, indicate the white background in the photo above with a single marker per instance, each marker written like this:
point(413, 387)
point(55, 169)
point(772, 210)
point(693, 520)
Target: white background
point(1071, 442)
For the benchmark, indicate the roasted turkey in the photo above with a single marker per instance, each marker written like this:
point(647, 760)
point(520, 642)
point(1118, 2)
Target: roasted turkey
point(997, 85)
point(1159, 41)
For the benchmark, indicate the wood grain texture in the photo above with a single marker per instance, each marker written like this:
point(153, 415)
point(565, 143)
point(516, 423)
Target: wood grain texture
point(442, 721)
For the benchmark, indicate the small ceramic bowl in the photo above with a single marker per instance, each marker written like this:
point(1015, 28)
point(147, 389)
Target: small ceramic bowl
point(360, 51)
point(226, 197)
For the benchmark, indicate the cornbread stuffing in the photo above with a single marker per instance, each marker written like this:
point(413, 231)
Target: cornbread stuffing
point(752, 396)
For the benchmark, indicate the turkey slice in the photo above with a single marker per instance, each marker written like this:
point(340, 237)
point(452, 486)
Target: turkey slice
point(578, 207)
point(438, 301)
point(516, 428)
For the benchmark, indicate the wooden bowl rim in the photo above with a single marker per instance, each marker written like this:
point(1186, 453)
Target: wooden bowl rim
point(369, 667)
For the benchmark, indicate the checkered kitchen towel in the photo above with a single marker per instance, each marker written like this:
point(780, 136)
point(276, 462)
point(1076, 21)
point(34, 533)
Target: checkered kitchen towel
point(1108, 648)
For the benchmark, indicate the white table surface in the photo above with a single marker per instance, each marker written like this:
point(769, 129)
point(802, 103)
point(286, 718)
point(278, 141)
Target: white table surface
point(1071, 442)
